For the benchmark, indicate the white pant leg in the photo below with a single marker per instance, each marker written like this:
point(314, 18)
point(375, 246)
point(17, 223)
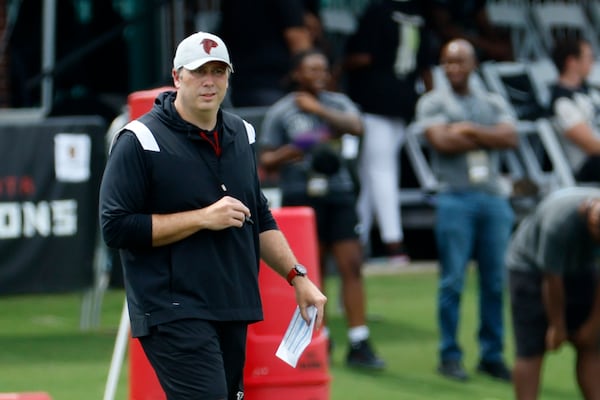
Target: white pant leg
point(379, 171)
point(364, 203)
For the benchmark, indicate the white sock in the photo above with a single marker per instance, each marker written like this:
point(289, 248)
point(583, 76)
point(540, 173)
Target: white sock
point(358, 333)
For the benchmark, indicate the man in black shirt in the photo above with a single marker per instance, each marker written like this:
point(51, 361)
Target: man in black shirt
point(387, 63)
point(180, 198)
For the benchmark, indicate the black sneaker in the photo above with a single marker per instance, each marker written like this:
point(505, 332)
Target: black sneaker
point(362, 355)
point(453, 369)
point(495, 369)
point(397, 256)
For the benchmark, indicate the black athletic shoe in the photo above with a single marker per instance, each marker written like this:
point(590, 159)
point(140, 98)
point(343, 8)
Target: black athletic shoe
point(362, 355)
point(453, 369)
point(495, 369)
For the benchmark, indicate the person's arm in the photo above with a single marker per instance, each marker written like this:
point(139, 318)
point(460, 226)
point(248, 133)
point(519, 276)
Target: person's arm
point(275, 150)
point(447, 140)
point(225, 213)
point(277, 254)
point(432, 118)
point(271, 159)
point(431, 115)
point(499, 136)
point(575, 125)
point(459, 137)
point(588, 333)
point(583, 136)
point(123, 191)
point(340, 121)
point(315, 28)
point(289, 16)
point(553, 297)
point(297, 38)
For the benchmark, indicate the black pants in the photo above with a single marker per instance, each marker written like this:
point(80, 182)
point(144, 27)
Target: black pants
point(197, 359)
point(530, 321)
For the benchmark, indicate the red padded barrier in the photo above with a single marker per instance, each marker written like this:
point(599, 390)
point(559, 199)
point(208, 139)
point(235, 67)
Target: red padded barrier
point(143, 383)
point(266, 377)
point(25, 396)
point(141, 102)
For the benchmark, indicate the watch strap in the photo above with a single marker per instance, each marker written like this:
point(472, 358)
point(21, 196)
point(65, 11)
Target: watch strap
point(294, 272)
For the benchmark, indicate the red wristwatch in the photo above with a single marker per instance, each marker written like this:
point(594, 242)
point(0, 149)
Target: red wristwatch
point(297, 270)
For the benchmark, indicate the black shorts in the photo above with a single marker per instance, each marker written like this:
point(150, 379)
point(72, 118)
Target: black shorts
point(198, 359)
point(529, 314)
point(335, 214)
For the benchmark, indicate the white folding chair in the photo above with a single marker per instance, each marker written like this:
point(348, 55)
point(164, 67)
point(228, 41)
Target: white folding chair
point(556, 20)
point(493, 72)
point(556, 153)
point(417, 210)
point(415, 144)
point(532, 136)
point(513, 81)
point(593, 10)
point(543, 73)
point(513, 16)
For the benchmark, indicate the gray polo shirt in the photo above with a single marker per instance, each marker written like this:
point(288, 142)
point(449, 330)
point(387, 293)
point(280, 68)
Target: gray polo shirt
point(454, 171)
point(285, 123)
point(554, 238)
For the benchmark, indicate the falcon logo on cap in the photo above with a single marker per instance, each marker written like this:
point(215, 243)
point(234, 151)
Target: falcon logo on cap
point(196, 50)
point(208, 45)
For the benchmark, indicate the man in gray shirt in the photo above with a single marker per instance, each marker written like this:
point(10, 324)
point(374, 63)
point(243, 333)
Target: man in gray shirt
point(301, 140)
point(466, 129)
point(555, 297)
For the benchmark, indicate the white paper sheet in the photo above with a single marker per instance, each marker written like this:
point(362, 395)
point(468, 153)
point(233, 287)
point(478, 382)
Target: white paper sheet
point(297, 336)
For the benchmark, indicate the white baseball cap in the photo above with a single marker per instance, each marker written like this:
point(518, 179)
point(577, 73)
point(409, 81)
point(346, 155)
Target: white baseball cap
point(198, 49)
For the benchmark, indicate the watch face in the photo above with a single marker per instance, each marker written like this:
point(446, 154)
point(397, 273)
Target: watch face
point(301, 269)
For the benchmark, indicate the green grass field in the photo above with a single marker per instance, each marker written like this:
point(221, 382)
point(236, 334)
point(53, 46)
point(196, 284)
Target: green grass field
point(43, 349)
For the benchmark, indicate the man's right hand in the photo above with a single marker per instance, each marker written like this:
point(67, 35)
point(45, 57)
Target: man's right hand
point(308, 294)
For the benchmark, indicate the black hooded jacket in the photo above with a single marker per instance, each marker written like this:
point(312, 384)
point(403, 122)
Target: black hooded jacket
point(210, 275)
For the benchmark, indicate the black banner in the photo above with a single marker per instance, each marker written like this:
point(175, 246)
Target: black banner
point(50, 174)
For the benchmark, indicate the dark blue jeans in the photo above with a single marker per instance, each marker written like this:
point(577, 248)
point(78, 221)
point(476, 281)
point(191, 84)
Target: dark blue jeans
point(472, 225)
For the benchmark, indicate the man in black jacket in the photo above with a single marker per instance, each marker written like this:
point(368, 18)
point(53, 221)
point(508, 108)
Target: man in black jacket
point(181, 199)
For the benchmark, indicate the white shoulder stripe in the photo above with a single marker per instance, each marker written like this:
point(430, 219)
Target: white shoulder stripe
point(148, 142)
point(250, 132)
point(143, 134)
